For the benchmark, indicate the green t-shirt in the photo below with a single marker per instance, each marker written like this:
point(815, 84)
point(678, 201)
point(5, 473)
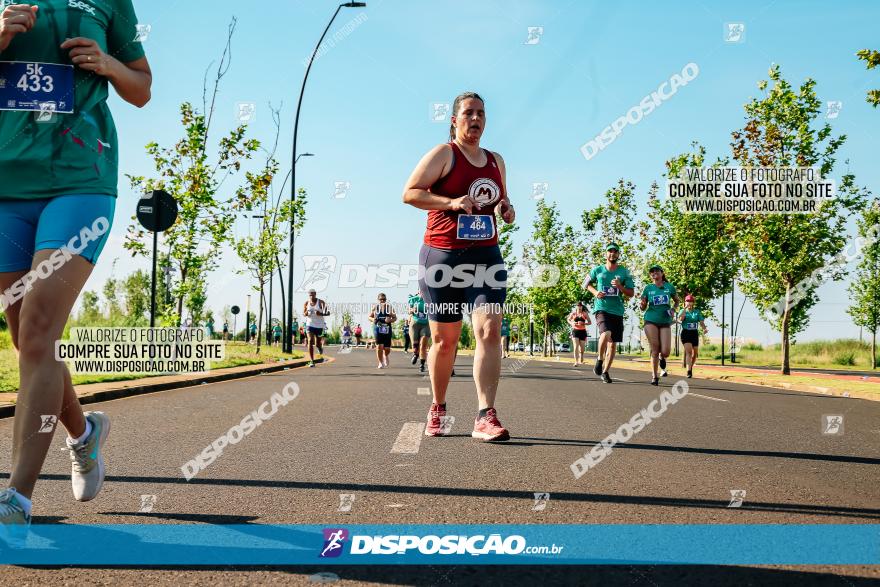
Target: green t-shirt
point(692, 319)
point(276, 330)
point(73, 153)
point(601, 277)
point(659, 303)
point(505, 327)
point(419, 317)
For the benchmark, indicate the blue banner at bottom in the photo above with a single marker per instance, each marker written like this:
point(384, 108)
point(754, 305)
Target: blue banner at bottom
point(255, 544)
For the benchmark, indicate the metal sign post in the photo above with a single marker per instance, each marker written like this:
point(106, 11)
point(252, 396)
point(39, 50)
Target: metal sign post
point(157, 213)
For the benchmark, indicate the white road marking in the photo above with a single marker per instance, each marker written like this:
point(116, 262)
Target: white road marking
point(423, 391)
point(409, 439)
point(717, 399)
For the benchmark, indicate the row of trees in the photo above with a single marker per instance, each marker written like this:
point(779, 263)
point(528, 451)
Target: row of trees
point(769, 257)
point(192, 247)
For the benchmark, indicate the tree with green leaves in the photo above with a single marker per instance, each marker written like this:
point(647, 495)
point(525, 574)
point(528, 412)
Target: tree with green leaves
point(135, 290)
point(781, 251)
point(865, 285)
point(872, 60)
point(186, 171)
point(551, 259)
point(260, 253)
point(698, 252)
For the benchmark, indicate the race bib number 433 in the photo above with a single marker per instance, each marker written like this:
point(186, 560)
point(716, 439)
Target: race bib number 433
point(36, 87)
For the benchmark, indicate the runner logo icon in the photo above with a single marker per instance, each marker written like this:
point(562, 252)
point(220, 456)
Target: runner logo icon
point(333, 539)
point(484, 192)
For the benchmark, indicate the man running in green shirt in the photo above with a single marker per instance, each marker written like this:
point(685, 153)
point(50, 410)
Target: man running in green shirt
point(420, 330)
point(505, 338)
point(609, 283)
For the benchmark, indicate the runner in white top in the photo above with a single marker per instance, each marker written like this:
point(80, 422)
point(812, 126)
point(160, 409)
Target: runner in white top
point(314, 311)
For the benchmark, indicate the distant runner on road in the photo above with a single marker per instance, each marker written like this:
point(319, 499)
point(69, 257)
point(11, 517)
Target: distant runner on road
point(314, 311)
point(609, 283)
point(382, 316)
point(658, 301)
point(579, 319)
point(692, 321)
point(420, 331)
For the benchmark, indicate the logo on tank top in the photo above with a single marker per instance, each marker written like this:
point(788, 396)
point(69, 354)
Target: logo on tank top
point(484, 192)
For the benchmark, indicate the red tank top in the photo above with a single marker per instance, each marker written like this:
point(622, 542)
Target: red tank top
point(484, 184)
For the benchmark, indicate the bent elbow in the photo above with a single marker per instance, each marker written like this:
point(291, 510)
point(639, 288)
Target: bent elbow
point(142, 100)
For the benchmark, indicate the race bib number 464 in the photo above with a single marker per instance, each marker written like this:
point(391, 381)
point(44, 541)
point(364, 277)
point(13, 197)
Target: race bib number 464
point(36, 87)
point(476, 226)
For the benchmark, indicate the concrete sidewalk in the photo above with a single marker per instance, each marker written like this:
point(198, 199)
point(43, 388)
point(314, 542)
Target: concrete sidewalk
point(99, 392)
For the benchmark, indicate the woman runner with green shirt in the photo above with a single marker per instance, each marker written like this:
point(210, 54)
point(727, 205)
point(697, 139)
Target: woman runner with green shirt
point(658, 302)
point(58, 177)
point(692, 320)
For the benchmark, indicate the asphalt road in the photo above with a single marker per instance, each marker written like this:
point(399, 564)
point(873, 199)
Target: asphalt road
point(339, 435)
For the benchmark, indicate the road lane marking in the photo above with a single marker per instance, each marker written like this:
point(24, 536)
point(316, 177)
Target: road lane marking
point(717, 399)
point(423, 391)
point(409, 439)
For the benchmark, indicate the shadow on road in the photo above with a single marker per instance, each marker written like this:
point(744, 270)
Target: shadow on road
point(791, 508)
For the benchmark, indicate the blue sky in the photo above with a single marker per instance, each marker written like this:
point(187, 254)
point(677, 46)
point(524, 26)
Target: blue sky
point(366, 109)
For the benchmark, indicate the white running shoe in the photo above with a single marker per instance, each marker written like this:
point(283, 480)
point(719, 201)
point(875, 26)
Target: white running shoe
point(87, 469)
point(14, 522)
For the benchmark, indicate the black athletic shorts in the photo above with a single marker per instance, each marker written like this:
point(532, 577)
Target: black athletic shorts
point(610, 323)
point(690, 336)
point(579, 334)
point(383, 339)
point(446, 296)
point(319, 332)
point(657, 324)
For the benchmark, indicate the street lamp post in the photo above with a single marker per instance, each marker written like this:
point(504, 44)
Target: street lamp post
point(288, 347)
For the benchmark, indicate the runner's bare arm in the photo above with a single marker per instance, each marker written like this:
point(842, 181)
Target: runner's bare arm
point(505, 208)
point(433, 166)
point(132, 80)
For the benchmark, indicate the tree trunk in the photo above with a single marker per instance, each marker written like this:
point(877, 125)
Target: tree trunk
point(546, 332)
point(874, 348)
point(283, 306)
point(180, 299)
point(786, 321)
point(260, 319)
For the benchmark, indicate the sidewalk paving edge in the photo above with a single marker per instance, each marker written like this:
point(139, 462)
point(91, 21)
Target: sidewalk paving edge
point(8, 410)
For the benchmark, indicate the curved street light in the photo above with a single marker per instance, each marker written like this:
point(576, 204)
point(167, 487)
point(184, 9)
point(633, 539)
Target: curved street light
point(288, 325)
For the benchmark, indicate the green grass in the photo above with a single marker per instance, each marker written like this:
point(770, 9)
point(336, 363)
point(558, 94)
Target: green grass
point(842, 354)
point(237, 354)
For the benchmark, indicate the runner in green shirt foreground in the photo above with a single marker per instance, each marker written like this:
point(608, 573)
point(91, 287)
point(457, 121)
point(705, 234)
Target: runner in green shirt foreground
point(609, 283)
point(659, 300)
point(59, 170)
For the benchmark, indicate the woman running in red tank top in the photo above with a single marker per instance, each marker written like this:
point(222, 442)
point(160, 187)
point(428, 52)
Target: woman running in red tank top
point(462, 186)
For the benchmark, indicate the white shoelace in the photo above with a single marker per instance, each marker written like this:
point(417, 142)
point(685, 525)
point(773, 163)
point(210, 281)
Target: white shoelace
point(8, 503)
point(79, 455)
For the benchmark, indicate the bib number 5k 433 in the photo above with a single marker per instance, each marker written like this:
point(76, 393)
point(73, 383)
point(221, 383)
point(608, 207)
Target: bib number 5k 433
point(36, 87)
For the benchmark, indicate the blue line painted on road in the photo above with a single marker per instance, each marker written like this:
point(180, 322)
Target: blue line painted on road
point(257, 544)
